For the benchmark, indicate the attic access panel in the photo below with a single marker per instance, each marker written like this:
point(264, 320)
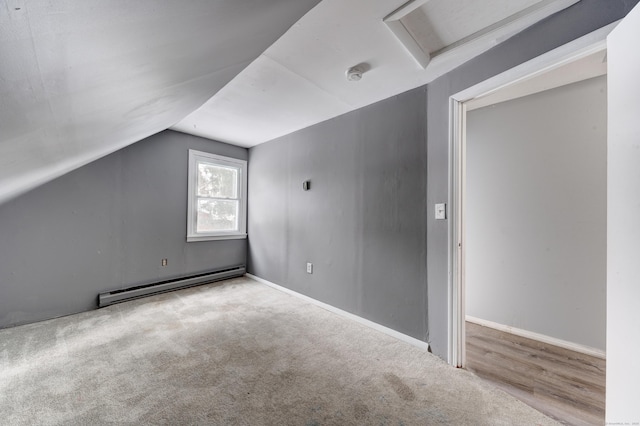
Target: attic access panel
point(429, 29)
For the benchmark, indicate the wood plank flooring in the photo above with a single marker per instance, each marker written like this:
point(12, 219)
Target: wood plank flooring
point(565, 385)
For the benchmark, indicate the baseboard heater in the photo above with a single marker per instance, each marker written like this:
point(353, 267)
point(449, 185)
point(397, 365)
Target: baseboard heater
point(122, 295)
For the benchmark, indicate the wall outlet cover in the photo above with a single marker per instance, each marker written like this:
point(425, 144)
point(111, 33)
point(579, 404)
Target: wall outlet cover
point(309, 268)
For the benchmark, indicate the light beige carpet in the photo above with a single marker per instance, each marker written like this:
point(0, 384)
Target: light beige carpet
point(235, 353)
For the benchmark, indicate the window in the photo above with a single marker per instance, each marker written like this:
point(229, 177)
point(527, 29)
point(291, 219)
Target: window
point(217, 207)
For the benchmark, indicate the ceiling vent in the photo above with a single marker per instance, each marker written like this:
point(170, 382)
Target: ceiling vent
point(431, 29)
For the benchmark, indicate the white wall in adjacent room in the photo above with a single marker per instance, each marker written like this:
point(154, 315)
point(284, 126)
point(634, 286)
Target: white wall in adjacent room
point(536, 213)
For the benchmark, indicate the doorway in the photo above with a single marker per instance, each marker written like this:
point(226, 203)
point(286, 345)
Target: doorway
point(559, 71)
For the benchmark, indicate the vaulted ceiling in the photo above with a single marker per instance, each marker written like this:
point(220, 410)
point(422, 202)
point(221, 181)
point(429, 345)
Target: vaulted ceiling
point(300, 80)
point(82, 79)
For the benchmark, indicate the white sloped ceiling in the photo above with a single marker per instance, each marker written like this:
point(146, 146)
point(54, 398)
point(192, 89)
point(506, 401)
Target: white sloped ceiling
point(300, 80)
point(80, 79)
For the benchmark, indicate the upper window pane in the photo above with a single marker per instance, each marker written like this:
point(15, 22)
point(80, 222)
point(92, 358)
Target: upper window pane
point(217, 181)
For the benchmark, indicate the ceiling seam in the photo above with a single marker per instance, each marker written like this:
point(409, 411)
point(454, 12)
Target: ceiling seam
point(290, 71)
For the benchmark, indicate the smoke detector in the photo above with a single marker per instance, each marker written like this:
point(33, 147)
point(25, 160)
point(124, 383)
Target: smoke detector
point(355, 73)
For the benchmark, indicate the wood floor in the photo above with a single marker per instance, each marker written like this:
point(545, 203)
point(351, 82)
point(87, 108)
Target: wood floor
point(565, 385)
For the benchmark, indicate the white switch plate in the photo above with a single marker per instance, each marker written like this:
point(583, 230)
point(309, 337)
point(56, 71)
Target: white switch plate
point(309, 268)
point(441, 211)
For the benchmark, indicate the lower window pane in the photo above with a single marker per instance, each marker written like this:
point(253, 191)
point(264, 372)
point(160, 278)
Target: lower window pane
point(217, 215)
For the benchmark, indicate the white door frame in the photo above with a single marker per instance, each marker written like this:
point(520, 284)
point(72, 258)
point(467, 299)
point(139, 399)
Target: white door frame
point(577, 49)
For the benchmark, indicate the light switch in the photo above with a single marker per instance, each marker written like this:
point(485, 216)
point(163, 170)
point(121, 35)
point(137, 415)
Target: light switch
point(441, 211)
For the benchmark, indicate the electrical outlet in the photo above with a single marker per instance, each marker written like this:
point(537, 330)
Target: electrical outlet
point(164, 262)
point(309, 268)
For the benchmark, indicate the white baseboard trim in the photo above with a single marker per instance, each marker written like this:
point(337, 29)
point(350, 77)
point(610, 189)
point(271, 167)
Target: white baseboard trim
point(583, 349)
point(381, 328)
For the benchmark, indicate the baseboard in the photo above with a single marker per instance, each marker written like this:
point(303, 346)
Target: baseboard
point(381, 328)
point(576, 347)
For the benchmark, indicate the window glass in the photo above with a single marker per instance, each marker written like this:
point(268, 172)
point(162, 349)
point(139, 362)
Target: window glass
point(217, 181)
point(217, 190)
point(217, 215)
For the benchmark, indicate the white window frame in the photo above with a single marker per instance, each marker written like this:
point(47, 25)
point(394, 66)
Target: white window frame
point(199, 156)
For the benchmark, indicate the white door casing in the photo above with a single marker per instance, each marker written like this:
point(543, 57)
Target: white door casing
point(623, 223)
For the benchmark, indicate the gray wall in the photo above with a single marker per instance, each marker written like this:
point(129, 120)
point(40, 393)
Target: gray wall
point(361, 224)
point(67, 240)
point(536, 213)
point(358, 269)
point(105, 226)
point(576, 21)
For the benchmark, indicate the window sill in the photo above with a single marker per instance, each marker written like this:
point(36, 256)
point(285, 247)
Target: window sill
point(195, 238)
